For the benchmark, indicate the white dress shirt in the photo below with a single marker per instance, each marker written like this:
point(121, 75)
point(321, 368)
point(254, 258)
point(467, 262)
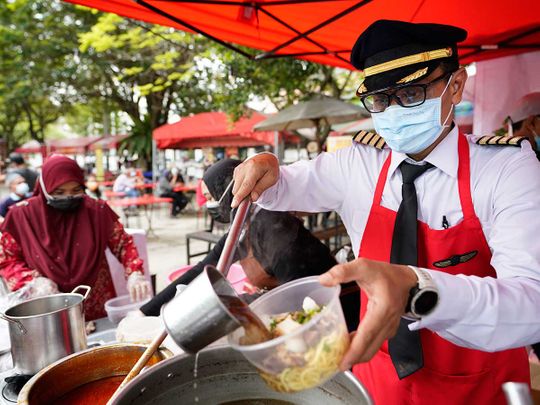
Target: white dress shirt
point(484, 313)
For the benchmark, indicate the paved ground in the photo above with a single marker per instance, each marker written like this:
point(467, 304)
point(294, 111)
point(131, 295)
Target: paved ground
point(167, 242)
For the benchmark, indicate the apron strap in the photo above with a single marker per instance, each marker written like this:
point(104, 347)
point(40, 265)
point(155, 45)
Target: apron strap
point(377, 197)
point(464, 178)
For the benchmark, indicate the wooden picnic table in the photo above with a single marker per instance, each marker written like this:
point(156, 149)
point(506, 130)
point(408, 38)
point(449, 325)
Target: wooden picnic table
point(113, 194)
point(145, 186)
point(106, 183)
point(185, 189)
point(147, 202)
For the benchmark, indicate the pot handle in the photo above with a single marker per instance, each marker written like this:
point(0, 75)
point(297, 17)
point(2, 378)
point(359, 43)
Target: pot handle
point(16, 322)
point(82, 287)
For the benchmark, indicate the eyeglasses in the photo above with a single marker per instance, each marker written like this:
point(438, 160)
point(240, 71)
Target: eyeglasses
point(406, 95)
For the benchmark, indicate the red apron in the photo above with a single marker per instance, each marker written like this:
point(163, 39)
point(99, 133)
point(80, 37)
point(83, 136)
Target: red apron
point(451, 374)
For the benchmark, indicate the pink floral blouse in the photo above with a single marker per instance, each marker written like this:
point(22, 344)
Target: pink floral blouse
point(16, 272)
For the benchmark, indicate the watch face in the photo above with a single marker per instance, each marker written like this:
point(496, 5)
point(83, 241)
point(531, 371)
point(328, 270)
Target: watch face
point(425, 303)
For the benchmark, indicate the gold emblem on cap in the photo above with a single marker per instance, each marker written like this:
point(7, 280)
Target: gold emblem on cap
point(414, 76)
point(362, 87)
point(408, 60)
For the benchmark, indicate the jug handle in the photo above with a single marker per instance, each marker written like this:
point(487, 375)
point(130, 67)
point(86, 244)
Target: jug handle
point(82, 287)
point(16, 322)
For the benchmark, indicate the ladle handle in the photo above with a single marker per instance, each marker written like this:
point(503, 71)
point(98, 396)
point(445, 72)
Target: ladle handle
point(517, 393)
point(147, 355)
point(227, 254)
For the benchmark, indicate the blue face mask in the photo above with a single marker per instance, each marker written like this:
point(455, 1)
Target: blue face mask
point(411, 130)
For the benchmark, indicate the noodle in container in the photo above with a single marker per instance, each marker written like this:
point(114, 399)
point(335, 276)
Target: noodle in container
point(311, 353)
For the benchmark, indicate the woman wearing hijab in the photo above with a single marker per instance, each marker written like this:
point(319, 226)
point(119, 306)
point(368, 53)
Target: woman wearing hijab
point(275, 248)
point(60, 234)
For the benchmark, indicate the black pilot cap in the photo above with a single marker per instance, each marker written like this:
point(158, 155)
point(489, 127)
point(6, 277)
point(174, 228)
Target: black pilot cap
point(380, 51)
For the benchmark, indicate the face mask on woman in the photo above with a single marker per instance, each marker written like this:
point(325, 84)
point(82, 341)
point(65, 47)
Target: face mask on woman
point(68, 203)
point(412, 130)
point(22, 189)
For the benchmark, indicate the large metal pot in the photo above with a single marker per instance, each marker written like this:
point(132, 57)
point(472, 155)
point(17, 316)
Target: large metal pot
point(45, 329)
point(223, 376)
point(89, 366)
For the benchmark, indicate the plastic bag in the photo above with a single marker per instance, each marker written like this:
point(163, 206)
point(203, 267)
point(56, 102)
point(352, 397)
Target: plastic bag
point(38, 287)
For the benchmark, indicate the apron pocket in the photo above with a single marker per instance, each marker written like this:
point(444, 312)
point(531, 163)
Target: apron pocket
point(432, 387)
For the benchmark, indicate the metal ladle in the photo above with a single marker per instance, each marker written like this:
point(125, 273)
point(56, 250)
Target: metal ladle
point(224, 263)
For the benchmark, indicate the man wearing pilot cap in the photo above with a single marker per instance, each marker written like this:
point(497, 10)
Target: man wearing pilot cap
point(444, 226)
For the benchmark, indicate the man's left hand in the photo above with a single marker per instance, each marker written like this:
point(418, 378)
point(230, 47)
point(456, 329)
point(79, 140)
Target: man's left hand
point(387, 287)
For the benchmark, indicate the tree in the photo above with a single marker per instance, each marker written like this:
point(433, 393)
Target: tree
point(238, 80)
point(39, 67)
point(63, 60)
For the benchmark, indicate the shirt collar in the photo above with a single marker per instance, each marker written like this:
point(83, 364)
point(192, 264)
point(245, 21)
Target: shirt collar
point(444, 156)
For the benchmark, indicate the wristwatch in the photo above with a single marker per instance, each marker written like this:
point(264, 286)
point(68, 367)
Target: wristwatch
point(423, 297)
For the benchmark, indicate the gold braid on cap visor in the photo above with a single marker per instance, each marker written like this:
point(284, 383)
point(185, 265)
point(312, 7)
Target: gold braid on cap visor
point(407, 60)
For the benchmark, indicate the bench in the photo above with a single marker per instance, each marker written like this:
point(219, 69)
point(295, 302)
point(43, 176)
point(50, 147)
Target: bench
point(333, 232)
point(205, 236)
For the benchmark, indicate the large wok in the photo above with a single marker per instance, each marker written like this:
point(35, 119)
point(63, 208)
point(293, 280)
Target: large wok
point(223, 375)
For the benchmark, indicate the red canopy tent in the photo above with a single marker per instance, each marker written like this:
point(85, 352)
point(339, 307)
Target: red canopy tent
point(31, 147)
point(72, 145)
point(324, 30)
point(214, 129)
point(108, 142)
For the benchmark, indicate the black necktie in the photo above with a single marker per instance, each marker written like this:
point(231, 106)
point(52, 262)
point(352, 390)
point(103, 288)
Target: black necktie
point(405, 348)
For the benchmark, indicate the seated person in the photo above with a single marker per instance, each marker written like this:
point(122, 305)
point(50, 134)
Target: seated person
point(60, 236)
point(276, 247)
point(165, 188)
point(18, 191)
point(126, 182)
point(92, 187)
point(18, 165)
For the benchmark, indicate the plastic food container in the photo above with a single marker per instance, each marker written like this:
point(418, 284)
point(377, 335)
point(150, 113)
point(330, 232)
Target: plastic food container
point(311, 354)
point(117, 308)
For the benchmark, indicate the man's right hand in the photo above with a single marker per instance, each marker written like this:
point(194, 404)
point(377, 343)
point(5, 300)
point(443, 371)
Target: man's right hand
point(254, 176)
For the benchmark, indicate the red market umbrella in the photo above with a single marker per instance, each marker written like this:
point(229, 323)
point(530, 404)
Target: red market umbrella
point(213, 129)
point(325, 31)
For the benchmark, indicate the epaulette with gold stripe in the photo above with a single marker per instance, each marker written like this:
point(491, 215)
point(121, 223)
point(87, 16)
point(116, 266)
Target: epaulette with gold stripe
point(369, 138)
point(500, 140)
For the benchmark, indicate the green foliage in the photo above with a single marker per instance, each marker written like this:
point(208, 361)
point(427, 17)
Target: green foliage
point(38, 65)
point(60, 60)
point(139, 143)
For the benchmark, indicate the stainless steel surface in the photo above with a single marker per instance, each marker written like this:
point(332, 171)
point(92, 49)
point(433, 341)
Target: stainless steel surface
point(227, 254)
point(14, 321)
point(517, 393)
point(196, 317)
point(4, 290)
point(81, 368)
point(224, 375)
point(53, 328)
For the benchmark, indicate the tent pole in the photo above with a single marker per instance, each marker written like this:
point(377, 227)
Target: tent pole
point(154, 165)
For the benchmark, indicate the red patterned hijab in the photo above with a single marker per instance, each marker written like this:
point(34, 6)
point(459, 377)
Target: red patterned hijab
point(66, 247)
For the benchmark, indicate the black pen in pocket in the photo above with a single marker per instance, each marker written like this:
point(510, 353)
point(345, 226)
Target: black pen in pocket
point(445, 223)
